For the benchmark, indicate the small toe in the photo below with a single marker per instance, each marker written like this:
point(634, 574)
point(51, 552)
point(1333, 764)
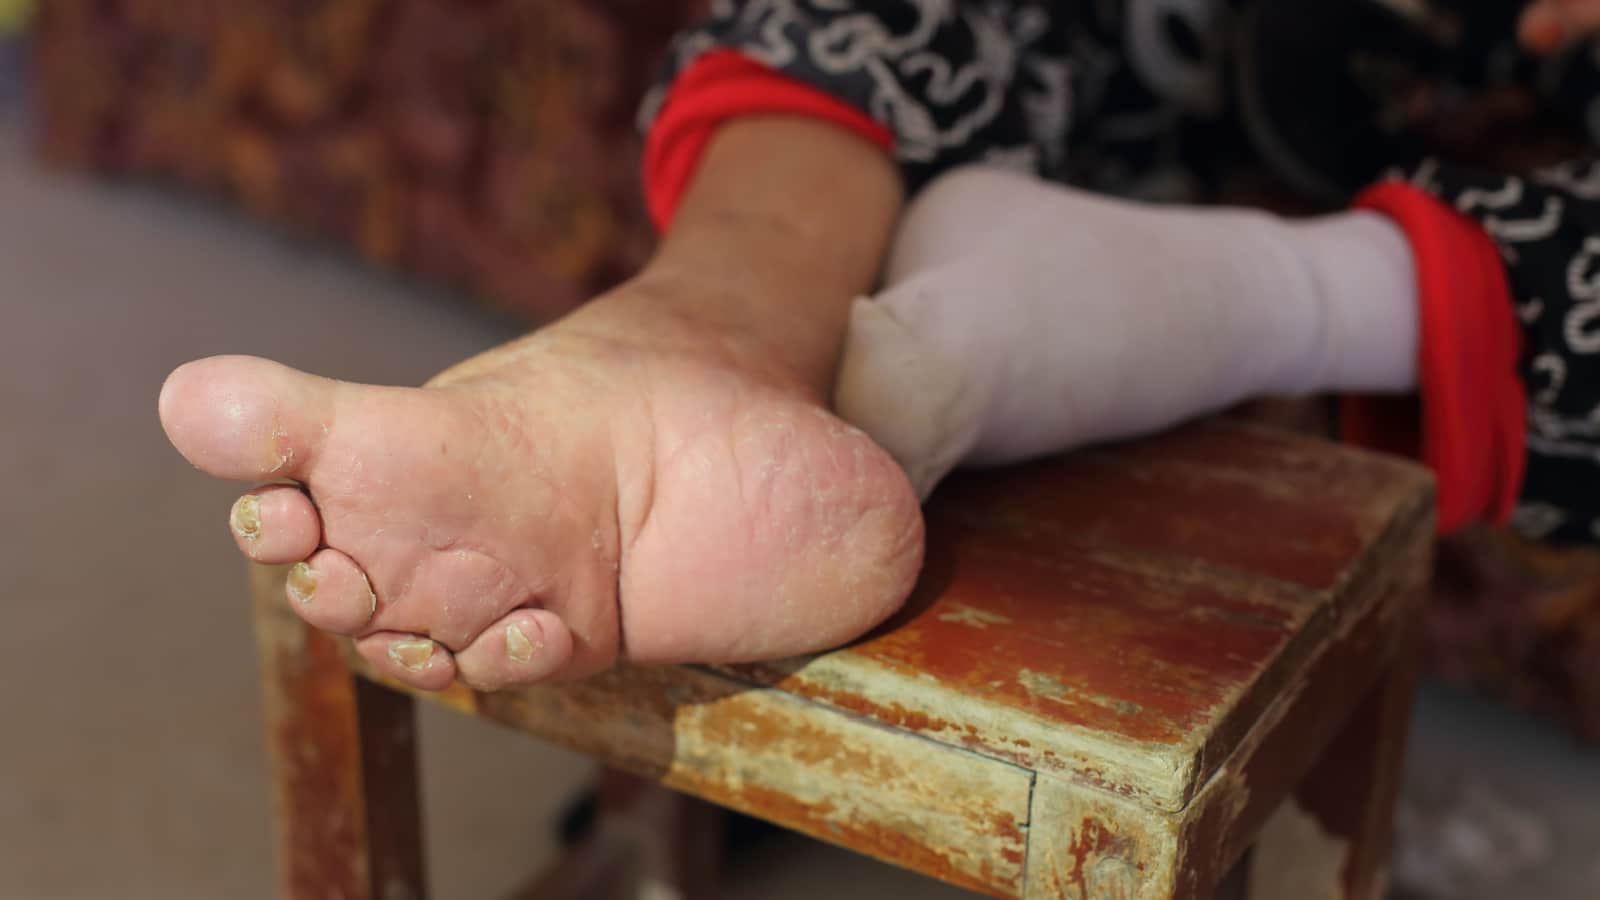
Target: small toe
point(275, 524)
point(525, 647)
point(416, 661)
point(329, 591)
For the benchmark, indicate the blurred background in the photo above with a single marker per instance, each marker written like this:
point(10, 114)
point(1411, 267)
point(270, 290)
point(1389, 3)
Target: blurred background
point(373, 189)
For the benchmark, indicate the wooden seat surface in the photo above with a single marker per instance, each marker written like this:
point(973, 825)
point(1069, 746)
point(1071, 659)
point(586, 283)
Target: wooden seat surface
point(1123, 617)
point(1113, 661)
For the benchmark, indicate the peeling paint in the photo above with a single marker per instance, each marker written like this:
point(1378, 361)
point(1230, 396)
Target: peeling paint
point(970, 615)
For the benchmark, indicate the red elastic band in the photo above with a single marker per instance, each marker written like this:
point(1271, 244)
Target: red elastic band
point(1473, 409)
point(716, 87)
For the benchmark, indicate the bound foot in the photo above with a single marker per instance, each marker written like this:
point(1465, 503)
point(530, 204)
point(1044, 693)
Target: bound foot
point(1023, 318)
point(619, 485)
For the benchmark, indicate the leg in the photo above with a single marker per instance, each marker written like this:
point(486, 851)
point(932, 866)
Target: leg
point(344, 765)
point(645, 841)
point(1331, 837)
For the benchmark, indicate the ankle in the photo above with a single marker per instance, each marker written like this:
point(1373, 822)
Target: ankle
point(703, 315)
point(1364, 283)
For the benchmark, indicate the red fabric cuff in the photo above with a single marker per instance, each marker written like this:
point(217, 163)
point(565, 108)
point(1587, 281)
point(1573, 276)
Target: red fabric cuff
point(1473, 417)
point(716, 87)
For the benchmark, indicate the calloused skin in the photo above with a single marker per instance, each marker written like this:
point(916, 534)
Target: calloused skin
point(655, 477)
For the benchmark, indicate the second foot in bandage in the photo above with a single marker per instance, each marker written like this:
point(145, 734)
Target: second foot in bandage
point(1022, 318)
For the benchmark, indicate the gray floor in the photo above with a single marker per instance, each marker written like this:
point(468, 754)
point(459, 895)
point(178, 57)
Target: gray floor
point(130, 749)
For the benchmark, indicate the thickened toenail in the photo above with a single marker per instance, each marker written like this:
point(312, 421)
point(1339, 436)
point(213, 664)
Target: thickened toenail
point(302, 582)
point(518, 647)
point(246, 517)
point(411, 655)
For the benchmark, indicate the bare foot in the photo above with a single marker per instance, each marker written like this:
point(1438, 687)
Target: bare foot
point(605, 488)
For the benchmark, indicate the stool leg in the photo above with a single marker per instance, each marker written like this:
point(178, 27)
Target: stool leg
point(344, 765)
point(1332, 837)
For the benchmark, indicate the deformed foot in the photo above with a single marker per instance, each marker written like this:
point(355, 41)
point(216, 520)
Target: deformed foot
point(550, 507)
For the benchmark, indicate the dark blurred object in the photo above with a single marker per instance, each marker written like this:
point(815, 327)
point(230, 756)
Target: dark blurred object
point(1334, 92)
point(1520, 621)
point(13, 59)
point(12, 67)
point(489, 143)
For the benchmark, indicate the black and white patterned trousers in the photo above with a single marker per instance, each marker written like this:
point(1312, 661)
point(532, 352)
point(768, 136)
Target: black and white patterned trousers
point(1139, 98)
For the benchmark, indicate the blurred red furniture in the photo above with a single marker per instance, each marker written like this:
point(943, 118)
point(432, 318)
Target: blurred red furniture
point(488, 143)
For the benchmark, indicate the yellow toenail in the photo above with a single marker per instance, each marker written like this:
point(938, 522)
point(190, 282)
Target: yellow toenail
point(245, 519)
point(518, 647)
point(411, 655)
point(302, 583)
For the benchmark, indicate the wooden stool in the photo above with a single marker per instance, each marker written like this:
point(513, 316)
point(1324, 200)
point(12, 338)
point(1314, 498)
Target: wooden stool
point(1116, 668)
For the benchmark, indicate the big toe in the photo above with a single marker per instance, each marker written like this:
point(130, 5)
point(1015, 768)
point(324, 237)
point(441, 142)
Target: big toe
point(244, 418)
